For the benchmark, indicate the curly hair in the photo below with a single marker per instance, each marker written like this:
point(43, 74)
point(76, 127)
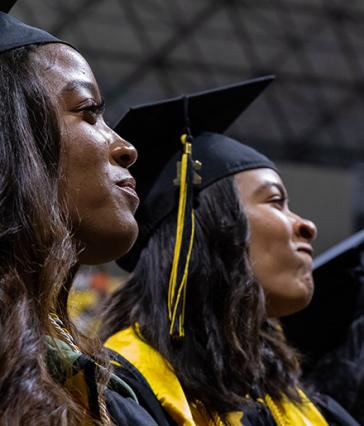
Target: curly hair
point(230, 349)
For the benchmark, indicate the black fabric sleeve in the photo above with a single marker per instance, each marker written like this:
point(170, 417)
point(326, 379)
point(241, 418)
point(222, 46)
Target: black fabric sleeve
point(143, 391)
point(126, 412)
point(334, 413)
point(257, 415)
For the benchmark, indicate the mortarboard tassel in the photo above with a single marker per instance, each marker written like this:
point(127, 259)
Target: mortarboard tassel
point(184, 239)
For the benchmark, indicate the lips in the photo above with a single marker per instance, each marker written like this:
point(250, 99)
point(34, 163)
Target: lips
point(128, 182)
point(305, 252)
point(128, 186)
point(305, 248)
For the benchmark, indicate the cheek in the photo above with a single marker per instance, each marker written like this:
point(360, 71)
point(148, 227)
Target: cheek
point(86, 153)
point(269, 226)
point(269, 248)
point(269, 233)
point(84, 171)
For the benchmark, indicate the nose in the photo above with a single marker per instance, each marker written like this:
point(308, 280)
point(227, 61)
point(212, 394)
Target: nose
point(123, 152)
point(305, 229)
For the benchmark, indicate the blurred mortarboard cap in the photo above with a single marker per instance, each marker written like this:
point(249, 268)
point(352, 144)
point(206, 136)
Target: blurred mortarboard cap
point(155, 130)
point(6, 5)
point(338, 299)
point(14, 33)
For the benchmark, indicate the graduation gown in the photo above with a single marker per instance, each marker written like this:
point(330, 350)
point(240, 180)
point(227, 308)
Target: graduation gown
point(340, 373)
point(77, 373)
point(161, 393)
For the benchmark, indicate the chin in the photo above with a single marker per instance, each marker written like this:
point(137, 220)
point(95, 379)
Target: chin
point(288, 304)
point(107, 248)
point(290, 307)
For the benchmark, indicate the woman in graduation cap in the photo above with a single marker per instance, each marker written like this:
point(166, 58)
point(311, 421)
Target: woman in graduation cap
point(66, 198)
point(192, 325)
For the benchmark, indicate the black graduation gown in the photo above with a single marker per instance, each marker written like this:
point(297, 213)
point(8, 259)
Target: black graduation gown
point(258, 415)
point(71, 368)
point(341, 372)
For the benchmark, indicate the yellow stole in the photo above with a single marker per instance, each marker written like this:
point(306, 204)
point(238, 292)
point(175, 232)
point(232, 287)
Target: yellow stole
point(168, 390)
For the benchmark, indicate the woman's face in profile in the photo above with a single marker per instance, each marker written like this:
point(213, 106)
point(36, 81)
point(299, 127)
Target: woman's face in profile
point(95, 183)
point(280, 244)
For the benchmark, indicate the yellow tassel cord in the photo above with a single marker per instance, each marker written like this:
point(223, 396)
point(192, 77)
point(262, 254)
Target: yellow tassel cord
point(184, 233)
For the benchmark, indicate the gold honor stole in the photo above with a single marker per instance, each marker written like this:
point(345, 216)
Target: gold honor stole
point(168, 390)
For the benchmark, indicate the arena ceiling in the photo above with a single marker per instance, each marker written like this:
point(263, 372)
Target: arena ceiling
point(144, 50)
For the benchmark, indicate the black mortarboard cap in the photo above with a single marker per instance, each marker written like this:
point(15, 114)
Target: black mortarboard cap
point(338, 299)
point(14, 33)
point(155, 130)
point(173, 138)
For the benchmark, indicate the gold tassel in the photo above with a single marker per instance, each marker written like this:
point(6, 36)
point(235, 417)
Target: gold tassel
point(184, 235)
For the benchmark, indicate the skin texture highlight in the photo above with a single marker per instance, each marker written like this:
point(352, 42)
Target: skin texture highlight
point(280, 242)
point(98, 190)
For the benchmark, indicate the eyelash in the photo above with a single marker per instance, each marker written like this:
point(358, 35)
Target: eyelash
point(281, 201)
point(95, 109)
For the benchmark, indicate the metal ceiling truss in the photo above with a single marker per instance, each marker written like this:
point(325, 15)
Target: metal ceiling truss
point(311, 113)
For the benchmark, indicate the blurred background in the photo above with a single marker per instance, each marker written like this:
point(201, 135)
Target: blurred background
point(310, 121)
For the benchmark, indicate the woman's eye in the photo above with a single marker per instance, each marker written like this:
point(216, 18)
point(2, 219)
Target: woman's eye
point(93, 111)
point(279, 201)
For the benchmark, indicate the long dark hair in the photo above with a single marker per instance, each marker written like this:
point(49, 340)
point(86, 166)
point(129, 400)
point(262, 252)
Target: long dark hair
point(230, 349)
point(37, 252)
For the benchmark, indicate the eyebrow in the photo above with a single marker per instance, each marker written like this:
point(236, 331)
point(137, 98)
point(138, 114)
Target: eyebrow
point(267, 185)
point(77, 85)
